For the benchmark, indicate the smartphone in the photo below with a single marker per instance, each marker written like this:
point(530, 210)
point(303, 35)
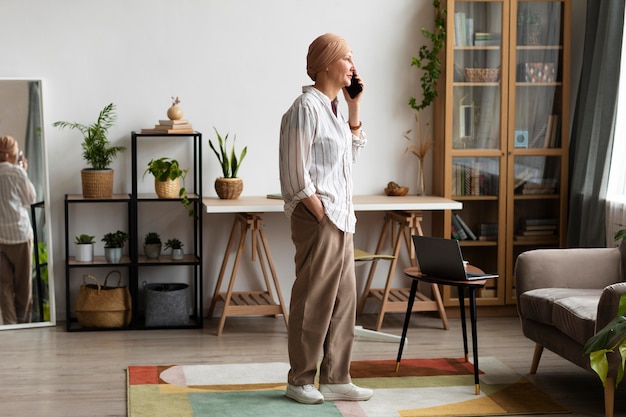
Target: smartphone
point(354, 89)
point(20, 158)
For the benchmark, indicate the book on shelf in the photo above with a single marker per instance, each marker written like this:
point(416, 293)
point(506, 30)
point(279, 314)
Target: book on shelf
point(173, 122)
point(167, 131)
point(174, 127)
point(275, 196)
point(541, 227)
point(540, 221)
point(470, 234)
point(460, 232)
point(535, 237)
point(488, 232)
point(539, 232)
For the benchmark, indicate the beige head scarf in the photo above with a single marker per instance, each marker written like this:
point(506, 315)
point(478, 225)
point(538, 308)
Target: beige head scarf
point(323, 51)
point(8, 147)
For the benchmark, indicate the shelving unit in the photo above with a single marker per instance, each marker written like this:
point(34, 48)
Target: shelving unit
point(136, 266)
point(502, 101)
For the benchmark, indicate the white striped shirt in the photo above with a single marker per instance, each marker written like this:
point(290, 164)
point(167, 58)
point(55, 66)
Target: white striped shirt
point(17, 194)
point(317, 150)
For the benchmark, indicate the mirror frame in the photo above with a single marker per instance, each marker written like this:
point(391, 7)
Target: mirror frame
point(45, 187)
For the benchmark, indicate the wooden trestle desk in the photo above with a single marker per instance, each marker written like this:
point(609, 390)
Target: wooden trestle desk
point(402, 215)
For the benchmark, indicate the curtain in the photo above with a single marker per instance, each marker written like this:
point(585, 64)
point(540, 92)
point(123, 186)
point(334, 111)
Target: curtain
point(594, 123)
point(616, 193)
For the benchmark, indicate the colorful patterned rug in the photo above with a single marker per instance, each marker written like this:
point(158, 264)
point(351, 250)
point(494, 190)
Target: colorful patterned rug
point(422, 387)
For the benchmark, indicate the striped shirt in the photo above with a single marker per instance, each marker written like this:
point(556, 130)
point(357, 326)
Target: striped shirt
point(317, 150)
point(17, 193)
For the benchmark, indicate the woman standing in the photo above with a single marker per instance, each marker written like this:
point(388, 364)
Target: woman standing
point(17, 193)
point(317, 149)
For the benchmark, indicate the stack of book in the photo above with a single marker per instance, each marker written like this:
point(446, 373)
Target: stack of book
point(537, 229)
point(488, 231)
point(170, 126)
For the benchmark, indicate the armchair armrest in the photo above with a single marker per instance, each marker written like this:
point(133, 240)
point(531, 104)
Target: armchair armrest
point(567, 268)
point(609, 304)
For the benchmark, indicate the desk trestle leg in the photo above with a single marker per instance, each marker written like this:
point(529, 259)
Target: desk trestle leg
point(248, 303)
point(403, 224)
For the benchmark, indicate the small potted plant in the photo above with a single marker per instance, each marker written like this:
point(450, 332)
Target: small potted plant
point(152, 245)
point(113, 244)
point(167, 177)
point(177, 248)
point(84, 248)
point(228, 186)
point(97, 181)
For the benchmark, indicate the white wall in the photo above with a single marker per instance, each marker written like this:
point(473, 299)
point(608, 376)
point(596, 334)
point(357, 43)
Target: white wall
point(236, 65)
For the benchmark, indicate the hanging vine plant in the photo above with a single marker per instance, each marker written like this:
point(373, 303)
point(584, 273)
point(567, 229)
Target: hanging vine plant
point(428, 59)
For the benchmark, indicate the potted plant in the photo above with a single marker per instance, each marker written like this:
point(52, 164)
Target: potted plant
point(228, 186)
point(97, 181)
point(152, 245)
point(84, 248)
point(429, 61)
point(113, 244)
point(167, 177)
point(177, 248)
point(611, 338)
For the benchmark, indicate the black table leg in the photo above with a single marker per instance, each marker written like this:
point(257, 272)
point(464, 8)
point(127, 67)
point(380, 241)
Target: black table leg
point(407, 318)
point(463, 324)
point(472, 294)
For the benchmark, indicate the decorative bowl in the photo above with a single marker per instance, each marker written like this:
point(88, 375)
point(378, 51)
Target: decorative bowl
point(396, 190)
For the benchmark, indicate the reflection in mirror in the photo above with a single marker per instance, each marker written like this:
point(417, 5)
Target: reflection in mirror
point(21, 118)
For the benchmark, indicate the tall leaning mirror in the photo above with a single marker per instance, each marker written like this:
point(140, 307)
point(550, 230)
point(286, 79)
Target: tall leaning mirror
point(21, 117)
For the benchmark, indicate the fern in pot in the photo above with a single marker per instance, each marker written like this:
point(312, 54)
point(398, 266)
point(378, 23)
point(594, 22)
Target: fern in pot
point(98, 152)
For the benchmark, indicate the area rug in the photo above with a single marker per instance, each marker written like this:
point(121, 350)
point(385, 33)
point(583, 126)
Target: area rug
point(421, 387)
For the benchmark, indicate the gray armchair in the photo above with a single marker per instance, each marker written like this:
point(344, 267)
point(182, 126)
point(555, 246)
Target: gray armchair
point(564, 296)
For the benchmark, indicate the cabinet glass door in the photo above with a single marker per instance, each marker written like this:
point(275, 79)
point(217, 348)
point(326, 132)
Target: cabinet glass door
point(477, 75)
point(537, 135)
point(539, 59)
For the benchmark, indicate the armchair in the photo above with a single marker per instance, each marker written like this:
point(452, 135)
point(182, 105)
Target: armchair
point(564, 296)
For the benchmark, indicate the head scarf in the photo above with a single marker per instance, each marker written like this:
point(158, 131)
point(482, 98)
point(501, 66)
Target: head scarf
point(323, 51)
point(8, 147)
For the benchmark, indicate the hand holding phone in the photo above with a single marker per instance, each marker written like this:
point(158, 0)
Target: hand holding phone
point(354, 89)
point(20, 158)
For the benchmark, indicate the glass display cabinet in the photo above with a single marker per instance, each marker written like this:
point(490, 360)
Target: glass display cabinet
point(500, 141)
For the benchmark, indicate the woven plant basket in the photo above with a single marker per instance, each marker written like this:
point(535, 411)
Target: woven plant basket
point(228, 188)
point(167, 189)
point(103, 306)
point(482, 75)
point(97, 183)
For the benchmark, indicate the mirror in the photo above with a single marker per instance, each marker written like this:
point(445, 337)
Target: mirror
point(21, 117)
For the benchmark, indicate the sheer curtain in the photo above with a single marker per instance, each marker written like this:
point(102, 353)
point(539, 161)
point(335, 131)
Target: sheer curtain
point(616, 192)
point(594, 124)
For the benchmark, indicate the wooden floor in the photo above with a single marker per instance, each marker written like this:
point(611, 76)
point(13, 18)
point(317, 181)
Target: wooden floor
point(47, 372)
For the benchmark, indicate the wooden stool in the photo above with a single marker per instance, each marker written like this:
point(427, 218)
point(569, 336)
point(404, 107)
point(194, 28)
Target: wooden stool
point(248, 303)
point(403, 224)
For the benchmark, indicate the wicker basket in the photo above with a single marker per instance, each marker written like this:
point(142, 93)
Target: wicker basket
point(228, 188)
point(482, 75)
point(102, 306)
point(167, 189)
point(97, 183)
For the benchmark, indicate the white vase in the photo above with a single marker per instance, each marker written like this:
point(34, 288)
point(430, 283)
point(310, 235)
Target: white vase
point(84, 252)
point(177, 254)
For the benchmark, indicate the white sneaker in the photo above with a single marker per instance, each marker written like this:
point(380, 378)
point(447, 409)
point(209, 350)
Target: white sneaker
point(305, 394)
point(345, 392)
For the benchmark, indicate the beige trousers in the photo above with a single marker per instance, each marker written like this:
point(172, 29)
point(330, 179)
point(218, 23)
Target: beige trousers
point(16, 288)
point(322, 311)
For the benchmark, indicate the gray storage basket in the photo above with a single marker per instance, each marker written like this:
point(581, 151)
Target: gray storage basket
point(166, 304)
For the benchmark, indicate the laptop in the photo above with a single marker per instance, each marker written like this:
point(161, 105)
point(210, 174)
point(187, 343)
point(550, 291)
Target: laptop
point(439, 257)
